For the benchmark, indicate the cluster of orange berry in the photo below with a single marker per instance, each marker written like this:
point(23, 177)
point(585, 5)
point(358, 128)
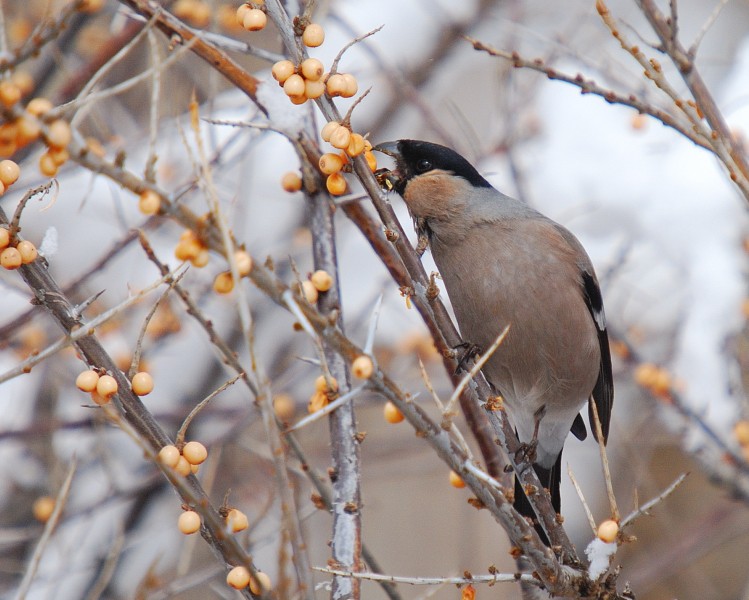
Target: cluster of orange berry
point(184, 461)
point(251, 16)
point(191, 247)
point(654, 378)
point(224, 282)
point(325, 390)
point(19, 132)
point(12, 257)
point(352, 144)
point(308, 81)
point(103, 387)
point(319, 281)
point(239, 578)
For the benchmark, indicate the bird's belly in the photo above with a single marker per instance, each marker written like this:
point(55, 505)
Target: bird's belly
point(549, 359)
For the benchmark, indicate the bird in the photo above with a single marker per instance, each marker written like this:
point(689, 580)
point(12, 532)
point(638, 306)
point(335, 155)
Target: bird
point(503, 263)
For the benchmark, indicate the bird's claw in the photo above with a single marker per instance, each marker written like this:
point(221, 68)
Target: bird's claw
point(469, 352)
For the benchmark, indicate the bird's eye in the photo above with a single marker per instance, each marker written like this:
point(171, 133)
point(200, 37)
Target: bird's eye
point(423, 165)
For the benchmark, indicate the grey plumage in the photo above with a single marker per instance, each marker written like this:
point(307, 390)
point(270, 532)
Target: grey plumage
point(504, 263)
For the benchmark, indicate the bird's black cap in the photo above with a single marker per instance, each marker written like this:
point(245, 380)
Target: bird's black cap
point(415, 157)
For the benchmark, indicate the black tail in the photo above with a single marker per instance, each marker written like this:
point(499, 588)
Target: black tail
point(551, 479)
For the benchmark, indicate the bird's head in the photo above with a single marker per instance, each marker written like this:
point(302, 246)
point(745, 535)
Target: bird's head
point(435, 181)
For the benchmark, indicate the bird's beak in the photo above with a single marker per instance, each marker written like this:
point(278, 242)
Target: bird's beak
point(389, 179)
point(389, 148)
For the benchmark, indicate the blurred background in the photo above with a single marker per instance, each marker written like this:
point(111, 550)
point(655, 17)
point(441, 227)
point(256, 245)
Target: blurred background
point(661, 219)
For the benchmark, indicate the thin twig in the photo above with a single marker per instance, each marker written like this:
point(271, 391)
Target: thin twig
point(709, 22)
point(326, 410)
point(356, 40)
point(604, 461)
point(49, 527)
point(80, 333)
point(180, 437)
point(449, 410)
point(490, 579)
point(643, 510)
point(173, 280)
point(580, 495)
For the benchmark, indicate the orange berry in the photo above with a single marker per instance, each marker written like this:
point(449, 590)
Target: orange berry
point(10, 259)
point(106, 387)
point(607, 531)
point(87, 380)
point(4, 238)
point(456, 480)
point(242, 10)
point(284, 407)
point(28, 251)
point(9, 172)
point(236, 520)
point(294, 85)
point(188, 248)
point(149, 202)
point(223, 283)
point(189, 522)
point(297, 100)
point(47, 166)
point(59, 155)
point(97, 398)
point(317, 401)
point(291, 182)
point(59, 134)
point(340, 138)
point(362, 367)
point(741, 431)
point(313, 35)
point(336, 85)
point(351, 86)
point(24, 81)
point(282, 70)
point(313, 89)
point(322, 280)
point(201, 259)
point(238, 578)
point(311, 69)
point(309, 291)
point(260, 583)
point(142, 383)
point(328, 130)
point(321, 384)
point(10, 93)
point(392, 414)
point(371, 160)
point(38, 106)
point(254, 20)
point(91, 6)
point(169, 456)
point(183, 467)
point(194, 452)
point(356, 145)
point(336, 184)
point(243, 261)
point(330, 163)
point(43, 508)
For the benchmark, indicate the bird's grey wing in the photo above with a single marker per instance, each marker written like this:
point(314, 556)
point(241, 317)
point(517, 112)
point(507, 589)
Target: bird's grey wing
point(603, 392)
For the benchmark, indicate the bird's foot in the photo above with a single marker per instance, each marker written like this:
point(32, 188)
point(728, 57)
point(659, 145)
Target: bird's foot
point(467, 352)
point(527, 452)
